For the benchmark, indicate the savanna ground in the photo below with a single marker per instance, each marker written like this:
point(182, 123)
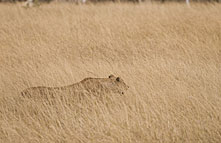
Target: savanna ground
point(169, 54)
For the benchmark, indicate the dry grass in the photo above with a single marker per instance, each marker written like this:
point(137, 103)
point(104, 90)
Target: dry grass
point(168, 54)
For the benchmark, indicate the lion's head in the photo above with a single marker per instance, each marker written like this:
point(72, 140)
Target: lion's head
point(116, 84)
point(111, 84)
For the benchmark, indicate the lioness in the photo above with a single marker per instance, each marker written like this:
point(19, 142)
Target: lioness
point(89, 85)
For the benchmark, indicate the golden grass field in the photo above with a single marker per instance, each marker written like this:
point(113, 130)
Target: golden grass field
point(169, 54)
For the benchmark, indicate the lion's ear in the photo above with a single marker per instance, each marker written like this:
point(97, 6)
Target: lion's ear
point(118, 79)
point(111, 76)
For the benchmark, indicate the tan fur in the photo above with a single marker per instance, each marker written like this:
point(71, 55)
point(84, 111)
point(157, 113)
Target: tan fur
point(90, 85)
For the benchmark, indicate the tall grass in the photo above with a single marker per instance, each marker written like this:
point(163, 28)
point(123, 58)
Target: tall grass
point(168, 54)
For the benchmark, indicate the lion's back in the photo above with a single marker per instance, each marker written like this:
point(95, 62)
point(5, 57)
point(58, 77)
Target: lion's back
point(38, 91)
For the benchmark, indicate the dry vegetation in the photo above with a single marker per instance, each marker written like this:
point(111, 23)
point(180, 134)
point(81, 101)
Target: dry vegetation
point(168, 54)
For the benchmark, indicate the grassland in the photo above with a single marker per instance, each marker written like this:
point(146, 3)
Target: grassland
point(169, 55)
